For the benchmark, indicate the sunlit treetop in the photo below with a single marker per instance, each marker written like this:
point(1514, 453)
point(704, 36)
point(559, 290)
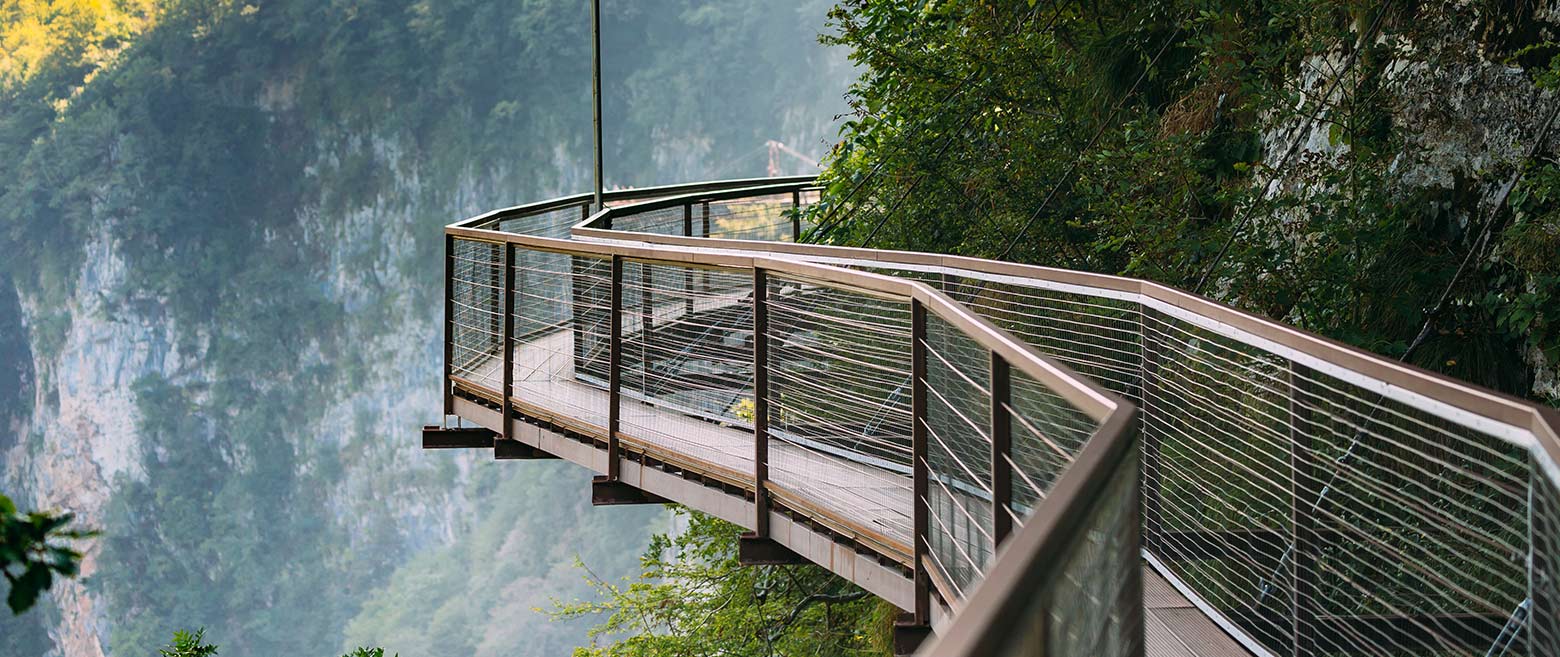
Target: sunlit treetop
point(91, 32)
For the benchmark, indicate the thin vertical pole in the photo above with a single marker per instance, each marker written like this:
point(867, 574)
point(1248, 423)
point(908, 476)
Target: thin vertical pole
point(760, 401)
point(919, 483)
point(688, 272)
point(595, 89)
point(1001, 451)
point(507, 342)
point(1302, 519)
point(614, 369)
point(449, 324)
point(796, 215)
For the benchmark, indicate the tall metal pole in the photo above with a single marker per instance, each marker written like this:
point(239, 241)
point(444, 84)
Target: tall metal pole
point(595, 89)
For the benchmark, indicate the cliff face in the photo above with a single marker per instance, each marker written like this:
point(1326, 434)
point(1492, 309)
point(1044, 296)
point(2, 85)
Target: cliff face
point(1459, 115)
point(222, 355)
point(82, 429)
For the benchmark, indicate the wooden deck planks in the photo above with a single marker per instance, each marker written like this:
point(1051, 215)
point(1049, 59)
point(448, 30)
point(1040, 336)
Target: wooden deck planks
point(878, 501)
point(867, 498)
point(1173, 627)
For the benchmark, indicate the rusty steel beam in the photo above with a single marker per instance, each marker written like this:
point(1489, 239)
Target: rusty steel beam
point(755, 550)
point(449, 324)
point(1001, 451)
point(919, 484)
point(506, 341)
point(514, 450)
point(614, 372)
point(610, 492)
point(909, 635)
point(760, 402)
point(437, 437)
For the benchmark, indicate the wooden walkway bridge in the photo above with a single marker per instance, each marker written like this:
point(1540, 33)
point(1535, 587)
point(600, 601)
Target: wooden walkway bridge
point(1024, 460)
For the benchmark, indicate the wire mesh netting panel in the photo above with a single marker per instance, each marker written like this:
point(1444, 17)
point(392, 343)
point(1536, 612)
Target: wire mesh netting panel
point(1411, 521)
point(1217, 469)
point(561, 306)
point(687, 349)
point(549, 223)
point(1092, 601)
point(543, 284)
point(1096, 336)
point(590, 294)
point(772, 217)
point(1047, 433)
point(1289, 499)
point(958, 453)
point(839, 386)
point(477, 319)
point(1544, 607)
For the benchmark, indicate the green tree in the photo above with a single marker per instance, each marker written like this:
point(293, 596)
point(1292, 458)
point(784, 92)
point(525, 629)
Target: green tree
point(693, 597)
point(34, 549)
point(188, 644)
point(193, 644)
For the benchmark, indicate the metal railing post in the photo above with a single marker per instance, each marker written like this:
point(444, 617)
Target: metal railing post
point(918, 481)
point(1302, 520)
point(506, 342)
point(614, 369)
point(796, 215)
point(449, 324)
point(1001, 452)
point(760, 402)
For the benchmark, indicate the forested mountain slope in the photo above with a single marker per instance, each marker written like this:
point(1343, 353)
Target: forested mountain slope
point(219, 296)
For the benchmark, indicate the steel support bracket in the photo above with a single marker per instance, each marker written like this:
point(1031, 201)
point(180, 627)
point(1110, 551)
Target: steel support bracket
point(754, 550)
point(437, 437)
point(909, 635)
point(610, 492)
point(514, 450)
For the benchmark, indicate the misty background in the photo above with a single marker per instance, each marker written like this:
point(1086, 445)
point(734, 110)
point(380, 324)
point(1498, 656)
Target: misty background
point(220, 296)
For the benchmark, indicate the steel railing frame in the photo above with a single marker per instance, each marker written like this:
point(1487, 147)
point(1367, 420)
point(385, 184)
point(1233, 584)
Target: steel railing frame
point(1515, 420)
point(1012, 354)
point(1022, 556)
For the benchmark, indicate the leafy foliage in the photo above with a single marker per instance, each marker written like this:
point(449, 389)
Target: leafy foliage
point(32, 31)
point(34, 549)
point(188, 644)
point(693, 597)
point(192, 644)
point(1164, 140)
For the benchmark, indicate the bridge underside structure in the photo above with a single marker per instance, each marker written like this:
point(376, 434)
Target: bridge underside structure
point(1028, 460)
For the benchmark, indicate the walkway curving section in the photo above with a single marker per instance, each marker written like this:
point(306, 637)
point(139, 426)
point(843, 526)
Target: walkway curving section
point(1023, 457)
